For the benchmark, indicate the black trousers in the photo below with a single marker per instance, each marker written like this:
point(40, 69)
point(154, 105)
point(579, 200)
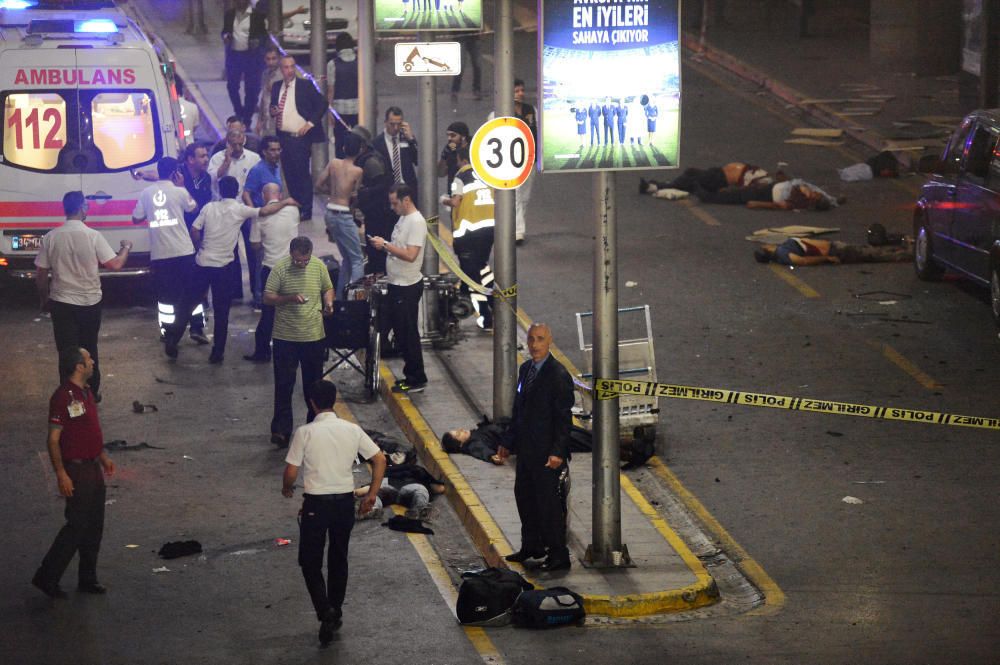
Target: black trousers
point(253, 268)
point(380, 225)
point(473, 251)
point(323, 515)
point(246, 67)
point(83, 529)
point(262, 336)
point(404, 308)
point(218, 280)
point(710, 180)
point(295, 154)
point(287, 358)
point(173, 280)
point(471, 45)
point(737, 195)
point(541, 506)
point(77, 326)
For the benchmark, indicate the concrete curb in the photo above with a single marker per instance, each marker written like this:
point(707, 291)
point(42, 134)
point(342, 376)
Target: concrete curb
point(822, 112)
point(492, 544)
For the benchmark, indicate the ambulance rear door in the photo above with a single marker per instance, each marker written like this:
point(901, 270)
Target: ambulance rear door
point(41, 137)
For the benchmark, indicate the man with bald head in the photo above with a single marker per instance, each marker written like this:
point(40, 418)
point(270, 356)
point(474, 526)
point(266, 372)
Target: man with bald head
point(539, 436)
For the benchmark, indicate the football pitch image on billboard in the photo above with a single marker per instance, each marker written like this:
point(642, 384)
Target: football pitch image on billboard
point(428, 14)
point(611, 87)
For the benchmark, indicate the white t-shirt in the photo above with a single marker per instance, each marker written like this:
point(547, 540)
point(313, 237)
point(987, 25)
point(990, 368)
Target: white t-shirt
point(275, 233)
point(326, 449)
point(409, 230)
point(221, 221)
point(163, 205)
point(73, 252)
point(238, 168)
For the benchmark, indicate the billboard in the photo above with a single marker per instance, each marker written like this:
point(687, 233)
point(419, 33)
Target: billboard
point(610, 84)
point(400, 15)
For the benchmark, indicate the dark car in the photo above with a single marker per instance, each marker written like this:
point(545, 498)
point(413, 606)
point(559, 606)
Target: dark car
point(956, 225)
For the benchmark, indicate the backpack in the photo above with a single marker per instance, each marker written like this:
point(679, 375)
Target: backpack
point(486, 596)
point(548, 608)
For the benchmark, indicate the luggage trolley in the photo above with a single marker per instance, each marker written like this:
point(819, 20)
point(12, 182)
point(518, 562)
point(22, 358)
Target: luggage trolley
point(637, 414)
point(353, 328)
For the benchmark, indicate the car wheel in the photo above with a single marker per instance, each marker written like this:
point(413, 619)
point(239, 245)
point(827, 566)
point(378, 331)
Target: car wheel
point(923, 262)
point(995, 294)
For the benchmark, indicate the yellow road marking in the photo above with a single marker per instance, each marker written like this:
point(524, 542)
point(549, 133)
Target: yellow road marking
point(793, 281)
point(700, 213)
point(774, 597)
point(439, 574)
point(896, 358)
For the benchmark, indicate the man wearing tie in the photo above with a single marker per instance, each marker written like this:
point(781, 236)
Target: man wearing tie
point(398, 148)
point(539, 436)
point(297, 109)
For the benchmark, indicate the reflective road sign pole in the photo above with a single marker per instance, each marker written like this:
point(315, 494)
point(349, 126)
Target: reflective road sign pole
point(317, 62)
point(606, 548)
point(367, 101)
point(426, 155)
point(505, 268)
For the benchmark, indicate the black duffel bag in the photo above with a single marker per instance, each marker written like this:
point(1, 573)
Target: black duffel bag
point(486, 596)
point(548, 608)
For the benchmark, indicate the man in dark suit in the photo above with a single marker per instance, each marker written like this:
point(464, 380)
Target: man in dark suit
point(540, 437)
point(594, 111)
point(243, 30)
point(373, 198)
point(398, 148)
point(298, 111)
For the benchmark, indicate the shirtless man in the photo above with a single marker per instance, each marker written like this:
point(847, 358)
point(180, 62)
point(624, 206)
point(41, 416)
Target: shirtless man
point(340, 179)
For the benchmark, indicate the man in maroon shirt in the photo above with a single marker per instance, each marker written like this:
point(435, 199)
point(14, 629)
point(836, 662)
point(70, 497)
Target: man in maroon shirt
point(76, 447)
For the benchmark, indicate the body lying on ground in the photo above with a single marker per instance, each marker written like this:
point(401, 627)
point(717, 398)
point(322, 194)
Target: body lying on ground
point(812, 252)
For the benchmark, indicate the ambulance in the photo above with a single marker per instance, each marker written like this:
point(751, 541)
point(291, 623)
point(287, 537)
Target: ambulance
point(87, 98)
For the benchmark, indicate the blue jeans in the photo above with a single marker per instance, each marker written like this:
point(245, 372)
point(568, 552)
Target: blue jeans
point(341, 229)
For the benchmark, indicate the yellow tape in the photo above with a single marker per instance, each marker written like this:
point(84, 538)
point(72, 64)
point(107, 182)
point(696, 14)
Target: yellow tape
point(611, 388)
point(450, 260)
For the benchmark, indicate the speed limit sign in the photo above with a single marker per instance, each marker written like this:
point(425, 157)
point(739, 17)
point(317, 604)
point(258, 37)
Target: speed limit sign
point(503, 153)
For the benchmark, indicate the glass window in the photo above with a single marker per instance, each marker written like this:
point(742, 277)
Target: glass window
point(123, 128)
point(977, 161)
point(956, 148)
point(34, 129)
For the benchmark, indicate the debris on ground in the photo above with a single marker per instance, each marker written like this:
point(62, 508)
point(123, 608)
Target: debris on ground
point(179, 548)
point(853, 500)
point(139, 407)
point(122, 445)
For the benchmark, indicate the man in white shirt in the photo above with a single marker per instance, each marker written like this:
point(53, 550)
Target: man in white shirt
point(72, 254)
point(326, 450)
point(406, 284)
point(270, 237)
point(171, 253)
point(216, 232)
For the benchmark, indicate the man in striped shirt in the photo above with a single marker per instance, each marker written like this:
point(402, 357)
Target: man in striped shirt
point(300, 290)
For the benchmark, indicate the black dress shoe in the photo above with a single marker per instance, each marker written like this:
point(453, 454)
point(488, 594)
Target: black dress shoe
point(551, 565)
point(93, 587)
point(254, 358)
point(331, 622)
point(215, 358)
point(279, 440)
point(49, 589)
point(521, 556)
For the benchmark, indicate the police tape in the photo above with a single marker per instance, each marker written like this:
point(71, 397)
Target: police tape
point(450, 260)
point(610, 388)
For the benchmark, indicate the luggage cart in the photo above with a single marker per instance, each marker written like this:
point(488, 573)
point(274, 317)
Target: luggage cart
point(354, 328)
point(637, 414)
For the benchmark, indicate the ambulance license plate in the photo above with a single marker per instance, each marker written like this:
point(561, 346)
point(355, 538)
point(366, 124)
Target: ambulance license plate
point(25, 243)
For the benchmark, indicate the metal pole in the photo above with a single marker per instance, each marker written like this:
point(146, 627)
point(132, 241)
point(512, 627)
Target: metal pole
point(505, 268)
point(989, 66)
point(367, 100)
point(274, 19)
point(606, 549)
point(317, 62)
point(426, 166)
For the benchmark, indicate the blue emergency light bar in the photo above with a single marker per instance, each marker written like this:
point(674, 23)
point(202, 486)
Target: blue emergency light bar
point(86, 26)
point(17, 4)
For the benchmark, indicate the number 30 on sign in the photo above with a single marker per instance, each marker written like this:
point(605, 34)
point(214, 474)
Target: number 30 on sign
point(503, 153)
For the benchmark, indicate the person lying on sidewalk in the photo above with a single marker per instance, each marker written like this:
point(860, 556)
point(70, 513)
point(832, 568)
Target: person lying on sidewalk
point(812, 252)
point(481, 442)
point(796, 194)
point(409, 485)
point(712, 179)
